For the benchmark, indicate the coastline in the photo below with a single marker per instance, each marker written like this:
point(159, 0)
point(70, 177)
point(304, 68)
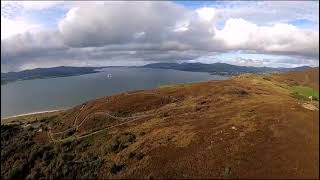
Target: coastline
point(32, 113)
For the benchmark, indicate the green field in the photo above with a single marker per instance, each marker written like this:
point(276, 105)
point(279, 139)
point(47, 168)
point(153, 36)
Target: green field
point(303, 92)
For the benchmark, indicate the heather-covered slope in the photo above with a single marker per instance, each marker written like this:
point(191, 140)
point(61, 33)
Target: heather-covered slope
point(247, 127)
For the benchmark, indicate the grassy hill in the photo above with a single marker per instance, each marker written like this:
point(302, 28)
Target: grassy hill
point(250, 126)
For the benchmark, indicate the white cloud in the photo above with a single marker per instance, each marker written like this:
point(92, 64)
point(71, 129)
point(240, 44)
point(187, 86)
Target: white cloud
point(105, 32)
point(10, 27)
point(249, 62)
point(207, 14)
point(13, 21)
point(32, 5)
point(236, 32)
point(239, 34)
point(118, 22)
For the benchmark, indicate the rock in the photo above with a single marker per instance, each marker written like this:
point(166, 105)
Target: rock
point(310, 107)
point(242, 134)
point(234, 128)
point(227, 171)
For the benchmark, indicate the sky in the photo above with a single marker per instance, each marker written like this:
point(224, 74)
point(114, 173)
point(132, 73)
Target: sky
point(97, 33)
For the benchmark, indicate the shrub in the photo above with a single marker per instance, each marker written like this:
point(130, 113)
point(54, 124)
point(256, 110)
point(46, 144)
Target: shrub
point(47, 156)
point(131, 155)
point(139, 156)
point(142, 133)
point(120, 142)
point(22, 158)
point(266, 78)
point(116, 168)
point(15, 173)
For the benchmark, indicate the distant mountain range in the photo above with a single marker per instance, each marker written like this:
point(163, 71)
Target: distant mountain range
point(221, 68)
point(39, 73)
point(216, 68)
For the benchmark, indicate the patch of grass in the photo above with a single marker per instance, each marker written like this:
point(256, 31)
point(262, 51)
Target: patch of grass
point(69, 139)
point(175, 85)
point(169, 86)
point(298, 96)
point(304, 92)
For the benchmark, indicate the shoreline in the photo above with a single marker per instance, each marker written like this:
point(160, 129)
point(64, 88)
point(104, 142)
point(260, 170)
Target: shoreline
point(32, 113)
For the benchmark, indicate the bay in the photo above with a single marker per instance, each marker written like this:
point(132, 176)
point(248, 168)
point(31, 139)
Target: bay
point(62, 92)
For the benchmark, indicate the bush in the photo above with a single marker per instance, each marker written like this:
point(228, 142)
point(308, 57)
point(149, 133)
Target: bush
point(8, 131)
point(121, 142)
point(36, 152)
point(131, 154)
point(142, 133)
point(34, 174)
point(16, 173)
point(22, 158)
point(47, 156)
point(138, 156)
point(116, 168)
point(266, 78)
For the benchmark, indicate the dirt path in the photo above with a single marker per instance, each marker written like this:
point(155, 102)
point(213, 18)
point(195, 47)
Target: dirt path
point(98, 131)
point(76, 127)
point(95, 132)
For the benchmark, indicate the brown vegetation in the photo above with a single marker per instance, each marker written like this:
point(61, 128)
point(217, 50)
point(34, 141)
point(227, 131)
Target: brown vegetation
point(246, 127)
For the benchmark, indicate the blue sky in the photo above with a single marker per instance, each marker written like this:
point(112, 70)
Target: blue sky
point(303, 23)
point(197, 4)
point(48, 17)
point(262, 33)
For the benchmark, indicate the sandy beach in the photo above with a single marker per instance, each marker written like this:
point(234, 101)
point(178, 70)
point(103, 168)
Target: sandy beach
point(32, 113)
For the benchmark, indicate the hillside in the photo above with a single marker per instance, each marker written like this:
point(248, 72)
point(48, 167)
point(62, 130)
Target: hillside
point(61, 71)
point(307, 78)
point(250, 126)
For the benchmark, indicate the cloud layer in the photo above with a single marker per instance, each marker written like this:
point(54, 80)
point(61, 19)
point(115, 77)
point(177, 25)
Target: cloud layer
point(137, 33)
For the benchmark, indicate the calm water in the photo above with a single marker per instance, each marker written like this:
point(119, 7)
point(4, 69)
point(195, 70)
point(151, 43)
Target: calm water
point(57, 93)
